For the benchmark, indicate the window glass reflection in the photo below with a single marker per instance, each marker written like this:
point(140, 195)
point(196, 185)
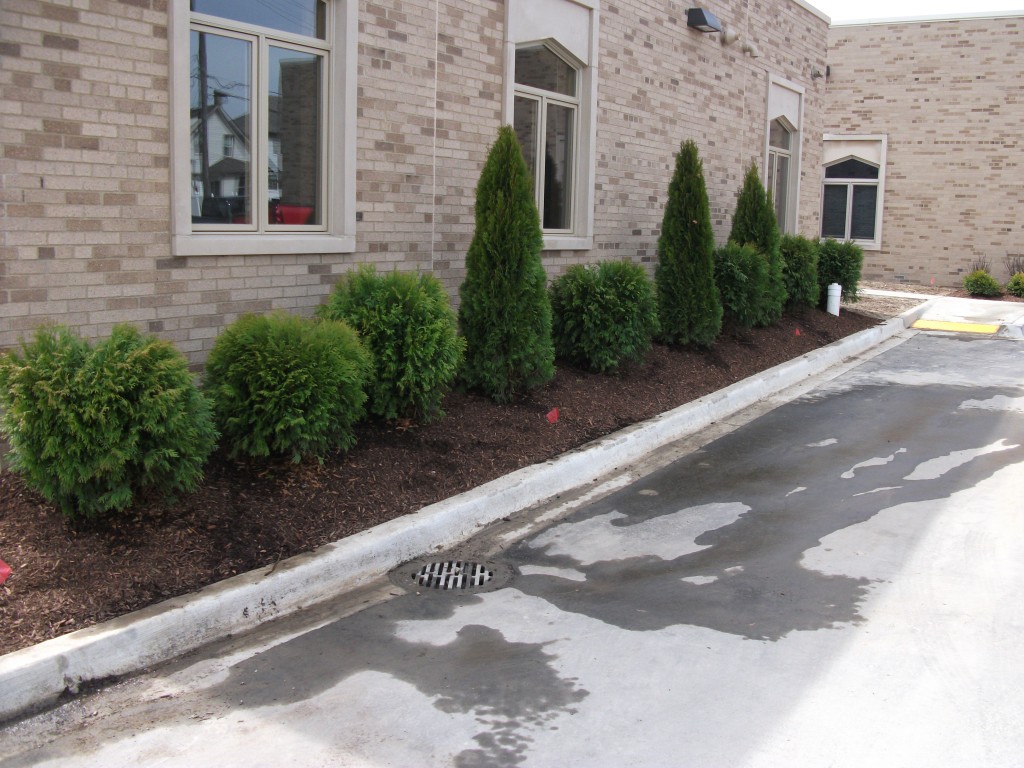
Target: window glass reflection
point(300, 17)
point(540, 67)
point(294, 141)
point(221, 130)
point(558, 152)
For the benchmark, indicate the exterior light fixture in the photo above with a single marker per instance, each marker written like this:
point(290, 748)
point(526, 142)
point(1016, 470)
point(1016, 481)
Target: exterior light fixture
point(703, 20)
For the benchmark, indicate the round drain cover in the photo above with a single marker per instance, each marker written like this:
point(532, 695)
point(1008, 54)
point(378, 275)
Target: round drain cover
point(453, 574)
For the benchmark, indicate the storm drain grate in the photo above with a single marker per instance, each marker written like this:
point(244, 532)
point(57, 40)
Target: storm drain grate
point(453, 574)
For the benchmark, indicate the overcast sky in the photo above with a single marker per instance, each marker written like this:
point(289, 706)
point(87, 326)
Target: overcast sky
point(860, 10)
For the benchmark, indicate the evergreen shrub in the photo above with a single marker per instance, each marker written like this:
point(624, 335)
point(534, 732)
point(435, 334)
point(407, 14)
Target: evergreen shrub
point(93, 427)
point(603, 315)
point(504, 310)
point(741, 274)
point(754, 224)
point(283, 385)
point(981, 283)
point(800, 270)
point(1015, 286)
point(688, 305)
point(407, 324)
point(839, 263)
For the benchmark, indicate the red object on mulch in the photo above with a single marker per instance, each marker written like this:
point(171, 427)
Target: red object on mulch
point(553, 415)
point(5, 571)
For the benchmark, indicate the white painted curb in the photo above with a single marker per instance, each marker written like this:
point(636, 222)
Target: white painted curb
point(36, 677)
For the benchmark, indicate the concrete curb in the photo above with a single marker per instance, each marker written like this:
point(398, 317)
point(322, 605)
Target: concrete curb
point(35, 677)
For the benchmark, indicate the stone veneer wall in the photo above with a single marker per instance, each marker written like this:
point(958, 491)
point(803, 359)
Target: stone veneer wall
point(950, 97)
point(85, 196)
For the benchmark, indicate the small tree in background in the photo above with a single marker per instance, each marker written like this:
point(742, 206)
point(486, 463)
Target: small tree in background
point(754, 224)
point(505, 312)
point(690, 311)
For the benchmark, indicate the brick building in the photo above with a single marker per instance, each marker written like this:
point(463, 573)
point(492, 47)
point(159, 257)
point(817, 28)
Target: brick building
point(175, 165)
point(923, 149)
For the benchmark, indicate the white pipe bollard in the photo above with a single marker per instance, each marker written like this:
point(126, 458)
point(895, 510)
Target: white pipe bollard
point(835, 291)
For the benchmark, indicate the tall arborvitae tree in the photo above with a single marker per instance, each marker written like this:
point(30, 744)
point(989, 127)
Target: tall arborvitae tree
point(689, 308)
point(754, 224)
point(505, 311)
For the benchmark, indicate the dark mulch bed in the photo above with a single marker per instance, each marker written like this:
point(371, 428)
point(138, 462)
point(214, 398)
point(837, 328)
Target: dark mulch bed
point(251, 514)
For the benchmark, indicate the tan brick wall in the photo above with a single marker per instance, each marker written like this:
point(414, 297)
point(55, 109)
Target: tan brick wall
point(950, 96)
point(85, 196)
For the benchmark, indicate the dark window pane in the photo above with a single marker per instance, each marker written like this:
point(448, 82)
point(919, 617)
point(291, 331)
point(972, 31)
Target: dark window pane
point(558, 153)
point(852, 169)
point(300, 17)
point(780, 187)
point(540, 67)
point(778, 136)
point(862, 222)
point(833, 215)
point(295, 128)
point(221, 129)
point(527, 126)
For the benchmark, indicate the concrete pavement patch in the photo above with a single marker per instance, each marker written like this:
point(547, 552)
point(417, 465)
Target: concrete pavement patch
point(35, 677)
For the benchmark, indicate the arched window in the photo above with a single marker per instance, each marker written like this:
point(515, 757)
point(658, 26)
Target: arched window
point(546, 116)
point(850, 201)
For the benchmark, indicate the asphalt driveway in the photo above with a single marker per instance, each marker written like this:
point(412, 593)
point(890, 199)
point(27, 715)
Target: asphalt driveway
point(835, 582)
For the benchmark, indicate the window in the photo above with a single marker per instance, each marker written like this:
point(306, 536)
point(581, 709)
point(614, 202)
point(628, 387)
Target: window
point(780, 141)
point(852, 193)
point(782, 149)
point(550, 99)
point(545, 120)
point(270, 89)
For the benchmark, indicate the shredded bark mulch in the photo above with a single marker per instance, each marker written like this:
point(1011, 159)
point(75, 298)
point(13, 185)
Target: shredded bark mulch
point(249, 514)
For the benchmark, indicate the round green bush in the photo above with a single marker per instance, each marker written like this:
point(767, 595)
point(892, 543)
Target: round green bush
point(800, 270)
point(283, 385)
point(1015, 287)
point(603, 315)
point(981, 283)
point(839, 263)
point(742, 275)
point(408, 325)
point(90, 428)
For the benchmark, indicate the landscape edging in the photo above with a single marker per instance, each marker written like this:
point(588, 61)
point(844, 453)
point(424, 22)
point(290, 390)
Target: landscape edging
point(35, 677)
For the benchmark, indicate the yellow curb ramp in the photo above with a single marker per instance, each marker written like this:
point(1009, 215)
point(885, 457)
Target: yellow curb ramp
point(942, 325)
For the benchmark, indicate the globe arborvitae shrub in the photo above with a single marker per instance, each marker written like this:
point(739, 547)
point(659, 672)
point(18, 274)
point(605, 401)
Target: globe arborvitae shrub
point(1015, 286)
point(741, 274)
point(93, 427)
point(407, 323)
point(800, 270)
point(283, 385)
point(754, 224)
point(689, 308)
point(505, 312)
point(839, 263)
point(981, 283)
point(604, 315)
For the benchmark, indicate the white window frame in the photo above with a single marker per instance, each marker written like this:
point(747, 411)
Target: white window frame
point(337, 233)
point(867, 148)
point(543, 99)
point(785, 102)
point(571, 28)
point(774, 153)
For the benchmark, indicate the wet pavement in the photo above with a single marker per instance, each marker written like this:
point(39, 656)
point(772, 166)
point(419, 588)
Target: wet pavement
point(835, 582)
